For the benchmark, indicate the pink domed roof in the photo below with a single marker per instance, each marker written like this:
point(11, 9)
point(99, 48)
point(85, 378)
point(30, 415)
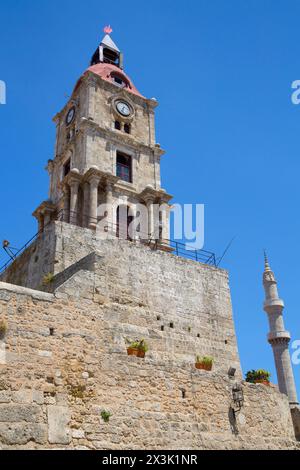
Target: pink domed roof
point(108, 72)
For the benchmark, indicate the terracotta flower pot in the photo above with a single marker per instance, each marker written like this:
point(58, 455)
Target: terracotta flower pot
point(141, 354)
point(200, 365)
point(135, 352)
point(262, 381)
point(132, 352)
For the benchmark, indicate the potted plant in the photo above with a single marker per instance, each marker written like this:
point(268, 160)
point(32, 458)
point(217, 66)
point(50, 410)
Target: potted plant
point(137, 348)
point(204, 362)
point(259, 376)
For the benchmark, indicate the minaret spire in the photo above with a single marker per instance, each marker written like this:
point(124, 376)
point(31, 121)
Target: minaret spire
point(278, 337)
point(267, 266)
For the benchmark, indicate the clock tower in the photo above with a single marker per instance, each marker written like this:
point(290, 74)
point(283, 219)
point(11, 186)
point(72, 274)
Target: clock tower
point(106, 151)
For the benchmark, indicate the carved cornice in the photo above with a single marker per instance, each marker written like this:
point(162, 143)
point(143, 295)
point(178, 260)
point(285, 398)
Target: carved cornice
point(73, 177)
point(116, 138)
point(95, 173)
point(43, 208)
point(127, 188)
point(150, 194)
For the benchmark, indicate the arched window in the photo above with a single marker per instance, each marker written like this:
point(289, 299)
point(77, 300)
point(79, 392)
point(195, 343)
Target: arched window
point(118, 125)
point(127, 128)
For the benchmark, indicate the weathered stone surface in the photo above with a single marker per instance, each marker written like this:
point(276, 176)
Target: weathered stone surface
point(296, 420)
point(22, 433)
point(13, 413)
point(23, 396)
point(38, 397)
point(58, 420)
point(44, 353)
point(5, 397)
point(78, 434)
point(89, 370)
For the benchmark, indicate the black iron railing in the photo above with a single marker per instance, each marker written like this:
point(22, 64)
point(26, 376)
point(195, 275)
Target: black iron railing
point(158, 243)
point(127, 232)
point(18, 252)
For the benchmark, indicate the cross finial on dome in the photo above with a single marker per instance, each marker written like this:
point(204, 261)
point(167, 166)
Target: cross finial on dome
point(108, 29)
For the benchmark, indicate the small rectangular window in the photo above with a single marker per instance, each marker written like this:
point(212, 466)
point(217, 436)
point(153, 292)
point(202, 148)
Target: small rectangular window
point(124, 167)
point(67, 168)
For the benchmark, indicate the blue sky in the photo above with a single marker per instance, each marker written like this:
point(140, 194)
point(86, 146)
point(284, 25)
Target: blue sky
point(222, 72)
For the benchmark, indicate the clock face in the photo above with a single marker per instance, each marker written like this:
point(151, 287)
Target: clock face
point(123, 108)
point(70, 116)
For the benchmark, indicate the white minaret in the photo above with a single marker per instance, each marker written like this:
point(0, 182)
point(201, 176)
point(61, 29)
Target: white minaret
point(278, 337)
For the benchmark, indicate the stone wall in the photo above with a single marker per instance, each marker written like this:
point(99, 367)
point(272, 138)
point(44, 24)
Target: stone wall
point(64, 357)
point(29, 269)
point(189, 301)
point(65, 363)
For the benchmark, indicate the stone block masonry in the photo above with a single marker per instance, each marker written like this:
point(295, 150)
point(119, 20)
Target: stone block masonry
point(149, 291)
point(55, 400)
point(66, 357)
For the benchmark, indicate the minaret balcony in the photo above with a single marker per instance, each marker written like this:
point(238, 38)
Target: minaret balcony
point(279, 336)
point(272, 303)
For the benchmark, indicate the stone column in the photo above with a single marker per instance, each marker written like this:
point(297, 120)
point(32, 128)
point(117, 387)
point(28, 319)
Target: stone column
point(111, 222)
point(86, 204)
point(94, 183)
point(150, 209)
point(66, 210)
point(74, 185)
point(133, 228)
point(165, 214)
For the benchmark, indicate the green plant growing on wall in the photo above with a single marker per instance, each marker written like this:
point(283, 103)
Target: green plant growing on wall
point(106, 415)
point(48, 279)
point(3, 328)
point(258, 376)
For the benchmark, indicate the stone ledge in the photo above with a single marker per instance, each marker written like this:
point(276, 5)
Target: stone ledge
point(39, 295)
